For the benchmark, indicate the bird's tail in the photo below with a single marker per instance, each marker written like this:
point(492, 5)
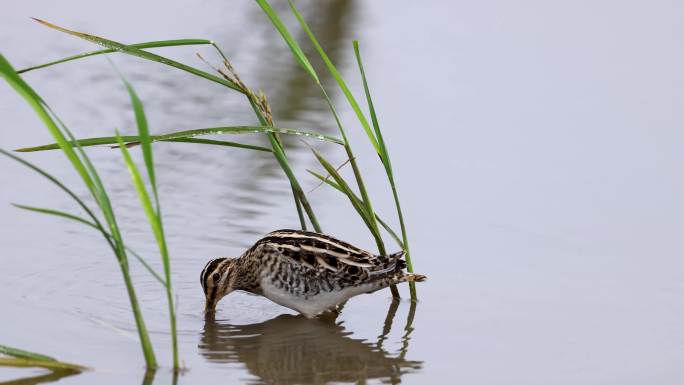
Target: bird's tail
point(397, 279)
point(398, 257)
point(405, 277)
point(393, 272)
point(410, 277)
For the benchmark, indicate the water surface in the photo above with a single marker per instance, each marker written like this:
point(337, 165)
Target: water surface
point(537, 148)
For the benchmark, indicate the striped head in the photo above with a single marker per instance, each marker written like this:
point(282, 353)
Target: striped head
point(217, 281)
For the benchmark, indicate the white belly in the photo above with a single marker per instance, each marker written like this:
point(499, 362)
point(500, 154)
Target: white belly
point(313, 305)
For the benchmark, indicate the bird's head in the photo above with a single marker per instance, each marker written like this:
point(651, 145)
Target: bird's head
point(217, 281)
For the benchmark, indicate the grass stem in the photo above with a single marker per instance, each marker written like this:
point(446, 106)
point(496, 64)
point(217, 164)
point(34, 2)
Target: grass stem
point(82, 165)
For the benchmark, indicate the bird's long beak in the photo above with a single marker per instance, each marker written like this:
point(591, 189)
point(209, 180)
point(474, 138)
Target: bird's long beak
point(210, 306)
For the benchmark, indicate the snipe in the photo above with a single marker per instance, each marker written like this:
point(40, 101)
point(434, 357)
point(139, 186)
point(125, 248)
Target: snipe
point(304, 271)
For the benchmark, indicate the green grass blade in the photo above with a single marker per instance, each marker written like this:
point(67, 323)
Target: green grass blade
point(279, 154)
point(81, 142)
point(92, 181)
point(149, 44)
point(146, 55)
point(56, 213)
point(94, 225)
point(247, 130)
point(385, 158)
point(38, 106)
point(326, 180)
point(18, 353)
point(358, 206)
point(31, 363)
point(391, 232)
point(337, 187)
point(99, 193)
point(154, 218)
point(145, 140)
point(338, 78)
point(102, 198)
point(144, 197)
point(132, 140)
point(365, 198)
point(56, 182)
point(147, 266)
point(24, 358)
point(343, 188)
point(300, 213)
point(143, 54)
point(103, 201)
point(365, 210)
point(291, 42)
point(82, 166)
point(190, 134)
point(301, 58)
point(218, 143)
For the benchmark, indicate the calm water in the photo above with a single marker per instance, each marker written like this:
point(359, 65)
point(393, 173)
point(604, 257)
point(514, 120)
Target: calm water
point(538, 156)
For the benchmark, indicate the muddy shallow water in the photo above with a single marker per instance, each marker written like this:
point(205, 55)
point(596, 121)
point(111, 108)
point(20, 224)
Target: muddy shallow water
point(538, 154)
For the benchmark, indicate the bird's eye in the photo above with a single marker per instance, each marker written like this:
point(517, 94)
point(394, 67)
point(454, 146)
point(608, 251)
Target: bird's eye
point(216, 277)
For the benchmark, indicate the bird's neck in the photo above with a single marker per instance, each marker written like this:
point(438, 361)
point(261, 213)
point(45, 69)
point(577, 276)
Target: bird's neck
point(247, 276)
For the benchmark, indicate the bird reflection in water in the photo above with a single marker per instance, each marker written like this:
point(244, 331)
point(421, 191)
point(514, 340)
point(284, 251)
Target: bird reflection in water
point(291, 349)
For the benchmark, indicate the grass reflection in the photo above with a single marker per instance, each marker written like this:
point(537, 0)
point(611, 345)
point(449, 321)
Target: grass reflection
point(52, 376)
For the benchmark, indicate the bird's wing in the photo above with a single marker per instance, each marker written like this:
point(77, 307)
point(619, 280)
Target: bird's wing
point(322, 252)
